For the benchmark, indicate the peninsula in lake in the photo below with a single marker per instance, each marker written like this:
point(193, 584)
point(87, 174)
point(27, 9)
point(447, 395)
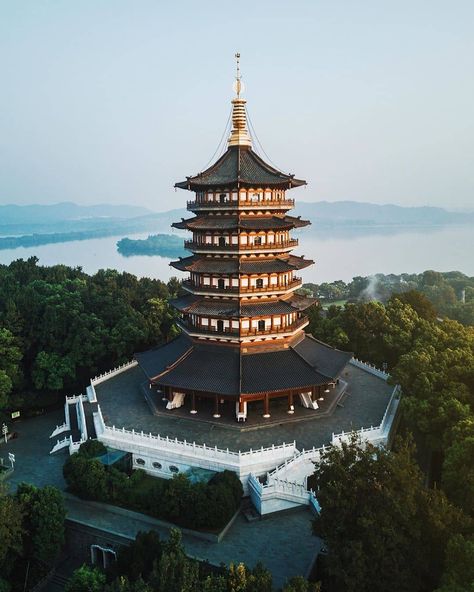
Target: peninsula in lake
point(164, 245)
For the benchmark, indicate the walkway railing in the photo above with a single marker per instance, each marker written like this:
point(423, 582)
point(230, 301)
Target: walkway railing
point(369, 368)
point(241, 460)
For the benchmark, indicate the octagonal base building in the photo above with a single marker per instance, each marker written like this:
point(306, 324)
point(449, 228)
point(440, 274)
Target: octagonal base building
point(242, 319)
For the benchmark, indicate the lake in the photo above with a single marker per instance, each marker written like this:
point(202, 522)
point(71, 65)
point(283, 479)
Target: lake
point(339, 253)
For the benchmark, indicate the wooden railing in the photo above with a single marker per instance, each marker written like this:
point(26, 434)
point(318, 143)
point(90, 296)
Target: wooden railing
point(268, 204)
point(243, 289)
point(196, 246)
point(234, 331)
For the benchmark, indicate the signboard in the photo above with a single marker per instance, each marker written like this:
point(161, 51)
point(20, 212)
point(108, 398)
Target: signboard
point(15, 414)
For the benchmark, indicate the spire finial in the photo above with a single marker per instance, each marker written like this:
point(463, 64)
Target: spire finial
point(238, 86)
point(237, 76)
point(239, 135)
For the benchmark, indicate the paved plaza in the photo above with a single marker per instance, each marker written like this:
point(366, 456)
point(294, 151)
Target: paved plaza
point(123, 405)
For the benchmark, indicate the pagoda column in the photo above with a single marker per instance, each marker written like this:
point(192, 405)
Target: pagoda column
point(216, 407)
point(193, 403)
point(291, 407)
point(266, 406)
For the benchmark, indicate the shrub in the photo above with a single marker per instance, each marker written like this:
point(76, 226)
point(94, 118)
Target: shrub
point(92, 449)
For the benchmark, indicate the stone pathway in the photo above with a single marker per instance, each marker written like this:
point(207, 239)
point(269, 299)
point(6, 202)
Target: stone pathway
point(283, 543)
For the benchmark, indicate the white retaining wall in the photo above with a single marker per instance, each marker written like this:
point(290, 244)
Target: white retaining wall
point(184, 455)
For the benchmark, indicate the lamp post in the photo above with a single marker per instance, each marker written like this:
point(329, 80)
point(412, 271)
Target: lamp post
point(5, 431)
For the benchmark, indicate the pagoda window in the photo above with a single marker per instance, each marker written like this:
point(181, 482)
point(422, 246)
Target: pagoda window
point(223, 198)
point(277, 321)
point(261, 325)
point(245, 324)
point(220, 326)
point(259, 283)
point(257, 240)
point(235, 196)
point(221, 284)
point(204, 321)
point(222, 241)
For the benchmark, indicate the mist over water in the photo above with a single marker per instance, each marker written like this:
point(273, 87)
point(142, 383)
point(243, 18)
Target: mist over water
point(339, 253)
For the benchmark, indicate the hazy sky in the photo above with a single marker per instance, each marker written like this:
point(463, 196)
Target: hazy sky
point(114, 101)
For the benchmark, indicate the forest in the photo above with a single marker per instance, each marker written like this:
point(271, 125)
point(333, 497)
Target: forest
point(60, 326)
point(398, 520)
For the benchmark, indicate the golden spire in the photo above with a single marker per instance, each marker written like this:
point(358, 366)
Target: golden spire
point(239, 135)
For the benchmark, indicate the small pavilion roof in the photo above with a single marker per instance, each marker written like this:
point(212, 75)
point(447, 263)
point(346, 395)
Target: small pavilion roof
point(240, 166)
point(228, 371)
point(245, 266)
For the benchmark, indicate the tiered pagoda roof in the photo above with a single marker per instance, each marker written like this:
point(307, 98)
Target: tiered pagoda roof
point(242, 321)
point(252, 222)
point(239, 167)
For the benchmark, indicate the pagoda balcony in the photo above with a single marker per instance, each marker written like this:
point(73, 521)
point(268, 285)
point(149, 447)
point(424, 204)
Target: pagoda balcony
point(298, 324)
point(277, 204)
point(229, 248)
point(234, 332)
point(243, 290)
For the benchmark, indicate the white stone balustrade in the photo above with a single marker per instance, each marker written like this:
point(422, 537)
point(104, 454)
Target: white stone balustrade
point(369, 368)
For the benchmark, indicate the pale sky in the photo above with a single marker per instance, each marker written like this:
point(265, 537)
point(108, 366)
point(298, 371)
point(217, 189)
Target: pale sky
point(113, 101)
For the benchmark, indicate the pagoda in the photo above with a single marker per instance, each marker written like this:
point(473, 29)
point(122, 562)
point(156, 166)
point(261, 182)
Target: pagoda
point(242, 320)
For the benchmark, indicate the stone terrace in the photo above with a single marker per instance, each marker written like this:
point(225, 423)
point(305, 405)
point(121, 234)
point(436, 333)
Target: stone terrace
point(123, 406)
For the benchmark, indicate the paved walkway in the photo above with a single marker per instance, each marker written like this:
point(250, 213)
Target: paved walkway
point(123, 405)
point(33, 463)
point(283, 543)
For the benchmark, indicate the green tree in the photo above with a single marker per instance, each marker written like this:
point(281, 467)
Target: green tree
point(175, 572)
point(86, 477)
point(43, 519)
point(374, 519)
point(11, 530)
point(418, 302)
point(86, 579)
point(10, 356)
point(51, 370)
point(300, 584)
point(458, 468)
point(459, 571)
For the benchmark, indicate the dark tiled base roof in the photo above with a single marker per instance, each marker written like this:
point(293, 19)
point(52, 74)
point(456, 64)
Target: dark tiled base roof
point(187, 364)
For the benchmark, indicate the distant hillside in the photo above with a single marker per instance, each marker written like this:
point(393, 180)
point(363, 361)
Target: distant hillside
point(36, 214)
point(360, 213)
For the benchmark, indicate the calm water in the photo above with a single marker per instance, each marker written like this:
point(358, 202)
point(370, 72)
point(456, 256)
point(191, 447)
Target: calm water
point(338, 253)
